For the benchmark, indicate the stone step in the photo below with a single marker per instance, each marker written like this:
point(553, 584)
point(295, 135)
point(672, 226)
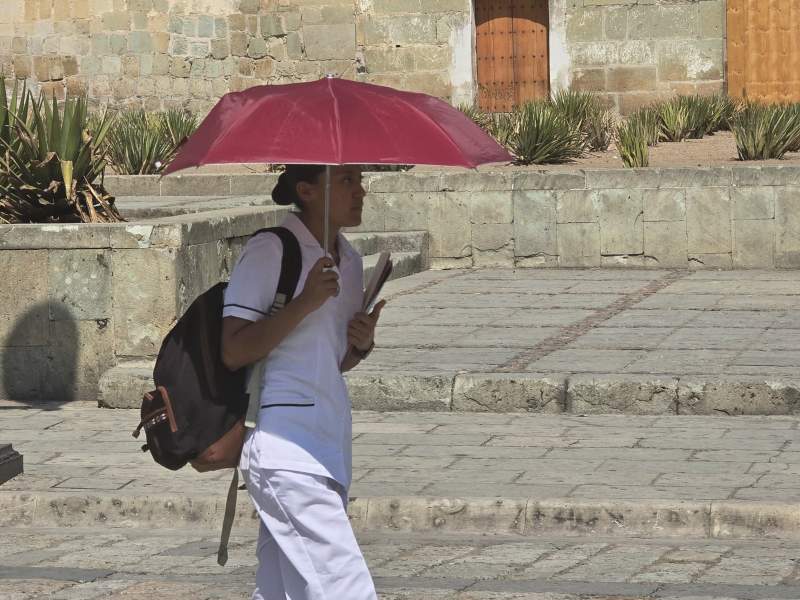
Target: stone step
point(144, 208)
point(389, 241)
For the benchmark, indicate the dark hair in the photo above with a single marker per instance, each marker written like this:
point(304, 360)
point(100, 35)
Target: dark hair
point(285, 191)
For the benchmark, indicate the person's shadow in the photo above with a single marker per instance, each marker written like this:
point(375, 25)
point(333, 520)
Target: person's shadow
point(40, 357)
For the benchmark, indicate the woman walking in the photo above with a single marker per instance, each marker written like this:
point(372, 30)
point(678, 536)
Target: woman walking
point(297, 460)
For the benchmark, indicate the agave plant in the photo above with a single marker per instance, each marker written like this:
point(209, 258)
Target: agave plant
point(632, 143)
point(502, 126)
point(576, 107)
point(764, 132)
point(649, 121)
point(476, 115)
point(143, 143)
point(721, 109)
point(698, 115)
point(599, 129)
point(674, 118)
point(543, 135)
point(49, 163)
point(794, 111)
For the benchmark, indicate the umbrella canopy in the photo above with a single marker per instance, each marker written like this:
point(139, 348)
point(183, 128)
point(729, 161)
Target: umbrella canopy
point(333, 122)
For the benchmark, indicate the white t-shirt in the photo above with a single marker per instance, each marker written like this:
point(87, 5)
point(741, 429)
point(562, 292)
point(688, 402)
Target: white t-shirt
point(304, 423)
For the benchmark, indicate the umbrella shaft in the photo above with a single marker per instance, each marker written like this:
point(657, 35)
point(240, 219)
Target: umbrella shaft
point(327, 226)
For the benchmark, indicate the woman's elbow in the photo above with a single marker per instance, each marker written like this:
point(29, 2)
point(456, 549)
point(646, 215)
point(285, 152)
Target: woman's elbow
point(229, 359)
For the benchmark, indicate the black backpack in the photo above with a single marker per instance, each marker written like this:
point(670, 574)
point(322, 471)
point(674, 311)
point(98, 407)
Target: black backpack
point(196, 413)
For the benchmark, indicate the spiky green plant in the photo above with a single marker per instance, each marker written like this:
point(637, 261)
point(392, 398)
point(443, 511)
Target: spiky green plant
point(764, 132)
point(575, 106)
point(502, 126)
point(51, 167)
point(143, 143)
point(632, 138)
point(698, 115)
point(794, 110)
point(599, 128)
point(543, 135)
point(649, 120)
point(721, 109)
point(674, 118)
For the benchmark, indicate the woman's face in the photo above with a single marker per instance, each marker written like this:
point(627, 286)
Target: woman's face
point(347, 196)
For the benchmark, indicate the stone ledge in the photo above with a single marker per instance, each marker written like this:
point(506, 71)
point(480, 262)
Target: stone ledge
point(523, 516)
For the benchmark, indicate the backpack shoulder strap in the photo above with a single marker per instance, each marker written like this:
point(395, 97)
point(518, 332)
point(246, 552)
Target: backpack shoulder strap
point(291, 265)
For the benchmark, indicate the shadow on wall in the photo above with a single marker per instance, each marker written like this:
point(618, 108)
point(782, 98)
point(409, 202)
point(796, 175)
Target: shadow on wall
point(40, 356)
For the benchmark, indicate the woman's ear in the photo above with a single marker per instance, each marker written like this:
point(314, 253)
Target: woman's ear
point(306, 192)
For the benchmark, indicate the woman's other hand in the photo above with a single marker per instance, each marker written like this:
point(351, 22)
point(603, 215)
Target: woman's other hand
point(361, 331)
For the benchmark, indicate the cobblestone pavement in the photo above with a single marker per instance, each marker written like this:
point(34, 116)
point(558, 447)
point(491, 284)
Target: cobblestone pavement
point(76, 564)
point(676, 323)
point(80, 449)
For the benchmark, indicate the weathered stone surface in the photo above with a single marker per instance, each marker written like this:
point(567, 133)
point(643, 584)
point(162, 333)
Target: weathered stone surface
point(124, 385)
point(753, 202)
point(547, 180)
point(196, 185)
point(80, 283)
point(577, 206)
point(23, 372)
point(79, 353)
point(23, 298)
point(535, 223)
point(753, 244)
point(323, 42)
point(448, 220)
point(708, 219)
point(621, 224)
point(623, 179)
point(578, 244)
point(665, 241)
point(664, 205)
point(787, 227)
point(627, 394)
point(410, 391)
point(491, 207)
point(493, 245)
point(738, 396)
point(506, 392)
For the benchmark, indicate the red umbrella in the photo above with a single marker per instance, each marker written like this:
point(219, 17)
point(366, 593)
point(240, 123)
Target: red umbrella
point(333, 122)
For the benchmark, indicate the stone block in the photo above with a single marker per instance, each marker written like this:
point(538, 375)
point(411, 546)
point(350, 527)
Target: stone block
point(630, 102)
point(665, 242)
point(23, 373)
point(694, 177)
point(585, 25)
point(754, 244)
point(631, 79)
point(180, 66)
point(594, 54)
point(738, 396)
point(398, 212)
point(257, 48)
point(621, 223)
point(140, 42)
point(491, 207)
point(691, 60)
point(621, 394)
point(116, 21)
point(577, 206)
point(753, 202)
point(383, 59)
point(79, 353)
point(548, 180)
point(124, 385)
point(676, 21)
point(535, 223)
point(238, 43)
point(787, 227)
point(578, 244)
point(407, 391)
point(473, 181)
point(712, 19)
point(399, 182)
point(448, 222)
point(79, 282)
point(664, 205)
point(622, 178)
point(723, 260)
point(708, 219)
point(637, 52)
point(588, 80)
point(493, 245)
point(324, 42)
point(23, 303)
point(196, 185)
point(509, 392)
point(145, 299)
point(615, 23)
point(766, 175)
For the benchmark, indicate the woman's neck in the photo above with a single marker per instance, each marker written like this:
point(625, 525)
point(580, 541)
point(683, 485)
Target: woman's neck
point(317, 228)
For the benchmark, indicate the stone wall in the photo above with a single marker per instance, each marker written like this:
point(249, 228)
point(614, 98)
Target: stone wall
point(79, 299)
point(640, 51)
point(740, 217)
point(163, 53)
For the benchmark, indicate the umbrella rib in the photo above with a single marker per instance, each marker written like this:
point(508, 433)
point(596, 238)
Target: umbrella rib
point(336, 130)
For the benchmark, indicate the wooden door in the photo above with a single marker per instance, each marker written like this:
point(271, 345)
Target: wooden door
point(512, 52)
point(764, 49)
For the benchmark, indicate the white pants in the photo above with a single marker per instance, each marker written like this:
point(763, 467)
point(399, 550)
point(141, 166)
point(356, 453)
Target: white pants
point(306, 546)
